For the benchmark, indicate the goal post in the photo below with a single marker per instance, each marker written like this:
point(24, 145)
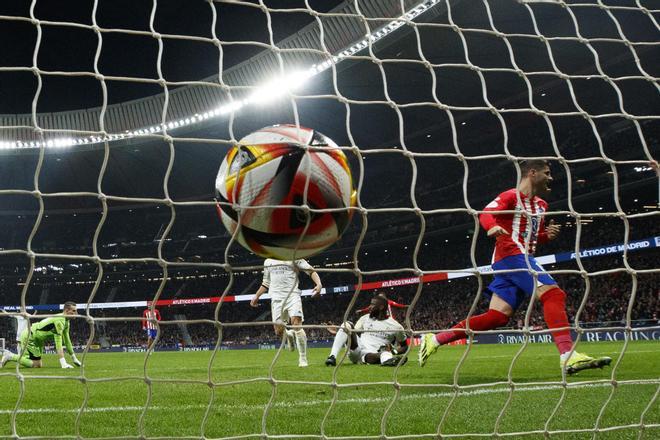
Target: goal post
point(111, 206)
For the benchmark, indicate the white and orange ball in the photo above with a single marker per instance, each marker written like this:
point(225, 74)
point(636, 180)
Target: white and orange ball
point(261, 185)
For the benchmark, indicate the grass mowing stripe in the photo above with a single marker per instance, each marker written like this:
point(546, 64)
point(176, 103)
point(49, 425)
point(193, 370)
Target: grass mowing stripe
point(306, 403)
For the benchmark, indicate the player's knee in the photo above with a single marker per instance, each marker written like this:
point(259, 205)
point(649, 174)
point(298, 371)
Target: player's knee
point(346, 327)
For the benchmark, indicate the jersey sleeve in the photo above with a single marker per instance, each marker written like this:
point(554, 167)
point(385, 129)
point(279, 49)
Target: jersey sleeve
point(362, 310)
point(400, 334)
point(360, 324)
point(144, 320)
point(58, 331)
point(157, 314)
point(266, 279)
point(392, 303)
point(504, 201)
point(304, 266)
point(67, 339)
point(542, 236)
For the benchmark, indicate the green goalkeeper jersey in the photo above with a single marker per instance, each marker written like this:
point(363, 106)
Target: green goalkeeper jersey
point(55, 328)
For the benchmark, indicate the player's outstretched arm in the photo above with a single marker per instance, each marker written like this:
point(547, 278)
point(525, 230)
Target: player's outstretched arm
point(392, 303)
point(69, 347)
point(331, 328)
point(316, 291)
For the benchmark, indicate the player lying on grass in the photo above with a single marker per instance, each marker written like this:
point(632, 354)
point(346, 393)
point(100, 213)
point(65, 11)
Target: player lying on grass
point(516, 237)
point(33, 340)
point(372, 338)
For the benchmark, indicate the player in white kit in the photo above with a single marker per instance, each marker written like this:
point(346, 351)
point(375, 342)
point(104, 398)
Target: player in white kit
point(281, 282)
point(21, 325)
point(372, 338)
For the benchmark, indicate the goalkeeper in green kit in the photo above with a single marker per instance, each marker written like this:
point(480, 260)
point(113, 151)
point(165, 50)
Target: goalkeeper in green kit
point(35, 337)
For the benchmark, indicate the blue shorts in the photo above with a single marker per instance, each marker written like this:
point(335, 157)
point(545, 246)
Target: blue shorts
point(514, 287)
point(151, 332)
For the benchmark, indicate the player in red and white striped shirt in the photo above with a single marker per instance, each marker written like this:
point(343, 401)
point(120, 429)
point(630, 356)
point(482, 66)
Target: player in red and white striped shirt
point(390, 303)
point(517, 235)
point(150, 317)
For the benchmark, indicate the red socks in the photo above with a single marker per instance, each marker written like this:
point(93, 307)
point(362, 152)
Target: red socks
point(554, 313)
point(486, 321)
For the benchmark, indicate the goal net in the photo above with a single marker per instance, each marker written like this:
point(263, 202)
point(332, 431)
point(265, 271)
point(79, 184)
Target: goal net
point(115, 117)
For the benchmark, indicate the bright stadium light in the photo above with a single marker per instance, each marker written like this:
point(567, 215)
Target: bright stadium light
point(279, 87)
point(262, 95)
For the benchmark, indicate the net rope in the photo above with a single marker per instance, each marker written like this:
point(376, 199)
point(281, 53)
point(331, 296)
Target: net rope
point(452, 390)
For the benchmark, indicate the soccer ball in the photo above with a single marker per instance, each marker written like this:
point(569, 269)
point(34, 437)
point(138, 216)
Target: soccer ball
point(271, 167)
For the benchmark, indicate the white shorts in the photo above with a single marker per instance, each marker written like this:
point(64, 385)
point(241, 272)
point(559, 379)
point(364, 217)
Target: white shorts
point(21, 325)
point(357, 356)
point(283, 310)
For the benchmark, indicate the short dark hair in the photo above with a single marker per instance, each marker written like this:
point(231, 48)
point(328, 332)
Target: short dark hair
point(532, 164)
point(381, 297)
point(69, 305)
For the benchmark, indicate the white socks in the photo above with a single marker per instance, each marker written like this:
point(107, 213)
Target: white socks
point(341, 338)
point(301, 342)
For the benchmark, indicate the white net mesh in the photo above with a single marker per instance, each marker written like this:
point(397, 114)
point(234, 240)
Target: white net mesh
point(112, 207)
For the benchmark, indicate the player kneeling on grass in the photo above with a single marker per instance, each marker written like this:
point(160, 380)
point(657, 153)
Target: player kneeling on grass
point(370, 341)
point(34, 339)
point(517, 235)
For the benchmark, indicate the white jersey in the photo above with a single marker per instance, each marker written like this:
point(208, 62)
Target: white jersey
point(281, 277)
point(21, 326)
point(380, 332)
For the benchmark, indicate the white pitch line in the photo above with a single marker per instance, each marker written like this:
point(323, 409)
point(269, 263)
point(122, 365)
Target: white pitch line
point(365, 400)
point(472, 357)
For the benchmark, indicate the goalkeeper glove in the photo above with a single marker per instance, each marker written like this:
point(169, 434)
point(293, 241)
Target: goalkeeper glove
point(75, 360)
point(63, 363)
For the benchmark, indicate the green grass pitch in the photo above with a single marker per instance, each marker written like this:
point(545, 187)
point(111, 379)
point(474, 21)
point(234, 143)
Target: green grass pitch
point(196, 395)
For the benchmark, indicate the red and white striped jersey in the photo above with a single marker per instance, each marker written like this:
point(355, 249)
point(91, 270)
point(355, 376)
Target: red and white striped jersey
point(390, 304)
point(518, 225)
point(150, 315)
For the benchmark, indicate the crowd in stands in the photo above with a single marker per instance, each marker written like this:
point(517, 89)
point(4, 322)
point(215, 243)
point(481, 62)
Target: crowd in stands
point(438, 305)
point(387, 245)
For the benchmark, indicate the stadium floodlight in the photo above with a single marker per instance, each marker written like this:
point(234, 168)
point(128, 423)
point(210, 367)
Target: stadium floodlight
point(263, 95)
point(279, 87)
